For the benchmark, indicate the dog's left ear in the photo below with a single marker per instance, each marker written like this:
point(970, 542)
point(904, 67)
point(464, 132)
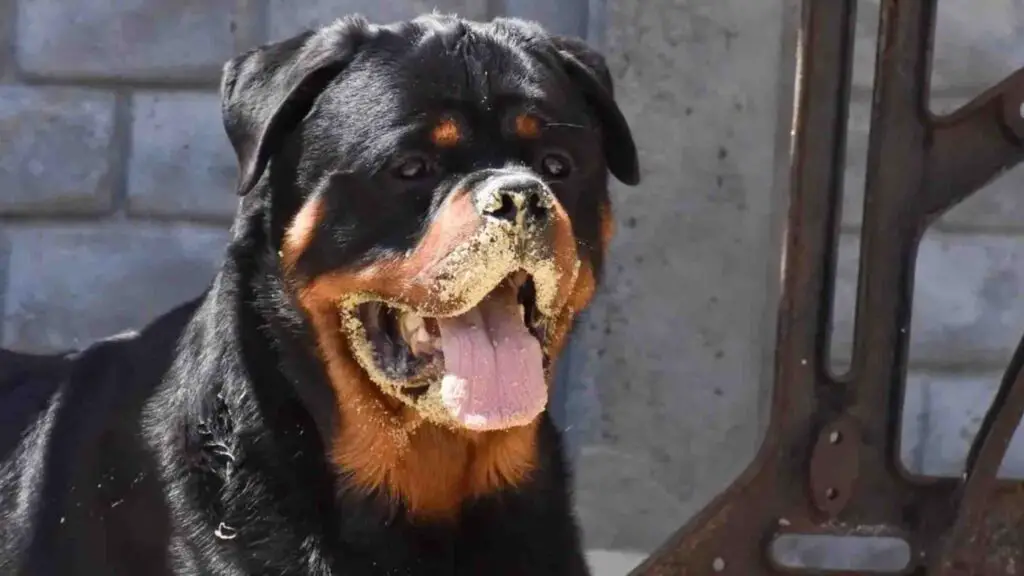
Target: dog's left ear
point(267, 91)
point(588, 70)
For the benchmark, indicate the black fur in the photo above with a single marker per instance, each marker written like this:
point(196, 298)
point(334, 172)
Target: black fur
point(197, 446)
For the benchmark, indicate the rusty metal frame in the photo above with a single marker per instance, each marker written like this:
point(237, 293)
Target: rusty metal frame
point(830, 462)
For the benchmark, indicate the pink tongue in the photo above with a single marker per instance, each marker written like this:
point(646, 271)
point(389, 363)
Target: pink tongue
point(494, 374)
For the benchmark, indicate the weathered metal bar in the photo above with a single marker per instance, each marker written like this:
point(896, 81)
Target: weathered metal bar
point(962, 550)
point(974, 144)
point(728, 536)
point(830, 460)
point(970, 147)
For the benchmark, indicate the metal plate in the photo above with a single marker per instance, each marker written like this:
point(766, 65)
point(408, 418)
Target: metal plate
point(919, 166)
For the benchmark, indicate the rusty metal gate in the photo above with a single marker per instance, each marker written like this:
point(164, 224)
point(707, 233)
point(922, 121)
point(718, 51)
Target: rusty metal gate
point(830, 463)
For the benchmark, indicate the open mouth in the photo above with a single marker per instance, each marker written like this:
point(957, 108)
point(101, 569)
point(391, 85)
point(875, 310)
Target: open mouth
point(485, 366)
point(408, 348)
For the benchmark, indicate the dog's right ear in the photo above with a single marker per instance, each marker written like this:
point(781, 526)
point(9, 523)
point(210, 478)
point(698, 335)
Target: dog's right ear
point(588, 70)
point(267, 91)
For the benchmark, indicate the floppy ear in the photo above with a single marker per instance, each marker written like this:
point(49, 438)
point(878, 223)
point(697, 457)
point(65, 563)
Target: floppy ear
point(267, 91)
point(587, 69)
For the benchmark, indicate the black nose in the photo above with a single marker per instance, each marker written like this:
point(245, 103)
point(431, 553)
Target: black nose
point(518, 199)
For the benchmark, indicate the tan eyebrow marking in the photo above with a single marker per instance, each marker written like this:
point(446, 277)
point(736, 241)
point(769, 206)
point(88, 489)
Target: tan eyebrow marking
point(527, 126)
point(446, 133)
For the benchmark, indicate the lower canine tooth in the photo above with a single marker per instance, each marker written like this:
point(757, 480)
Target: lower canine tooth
point(416, 335)
point(412, 322)
point(422, 343)
point(411, 325)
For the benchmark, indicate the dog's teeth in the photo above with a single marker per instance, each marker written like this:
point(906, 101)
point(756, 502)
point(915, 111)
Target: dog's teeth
point(422, 343)
point(412, 322)
point(415, 333)
point(522, 312)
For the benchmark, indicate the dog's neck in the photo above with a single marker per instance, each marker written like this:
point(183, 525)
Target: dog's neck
point(274, 333)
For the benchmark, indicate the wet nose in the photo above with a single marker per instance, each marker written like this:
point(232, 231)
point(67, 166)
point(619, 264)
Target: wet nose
point(519, 199)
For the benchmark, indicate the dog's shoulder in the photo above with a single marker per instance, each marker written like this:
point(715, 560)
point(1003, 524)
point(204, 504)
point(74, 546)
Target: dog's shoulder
point(74, 471)
point(107, 376)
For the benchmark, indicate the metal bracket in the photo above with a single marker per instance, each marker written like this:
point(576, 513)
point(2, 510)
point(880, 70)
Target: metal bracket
point(829, 463)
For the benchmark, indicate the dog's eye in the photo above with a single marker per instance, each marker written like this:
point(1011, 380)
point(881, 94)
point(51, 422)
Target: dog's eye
point(555, 165)
point(413, 168)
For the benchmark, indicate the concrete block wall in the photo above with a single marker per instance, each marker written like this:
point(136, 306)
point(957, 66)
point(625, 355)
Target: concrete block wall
point(116, 177)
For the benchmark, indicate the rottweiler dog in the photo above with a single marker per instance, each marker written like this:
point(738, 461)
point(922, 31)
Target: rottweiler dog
point(362, 390)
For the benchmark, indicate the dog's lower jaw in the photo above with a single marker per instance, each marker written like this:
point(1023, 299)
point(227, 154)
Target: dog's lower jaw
point(383, 446)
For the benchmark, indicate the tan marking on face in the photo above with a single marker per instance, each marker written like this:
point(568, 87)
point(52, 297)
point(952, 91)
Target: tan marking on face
point(527, 126)
point(300, 232)
point(446, 134)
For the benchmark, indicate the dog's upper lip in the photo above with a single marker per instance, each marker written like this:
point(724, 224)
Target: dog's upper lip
point(517, 280)
point(421, 333)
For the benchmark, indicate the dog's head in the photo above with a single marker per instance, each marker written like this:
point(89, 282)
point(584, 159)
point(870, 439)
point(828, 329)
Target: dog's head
point(438, 195)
